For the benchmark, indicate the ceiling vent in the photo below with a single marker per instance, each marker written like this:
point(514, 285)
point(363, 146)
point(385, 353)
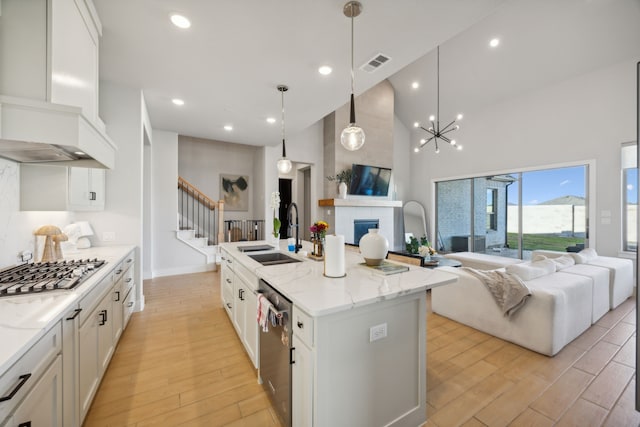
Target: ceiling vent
point(374, 63)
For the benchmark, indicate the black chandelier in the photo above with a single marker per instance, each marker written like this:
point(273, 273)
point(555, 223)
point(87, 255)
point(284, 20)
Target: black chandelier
point(434, 131)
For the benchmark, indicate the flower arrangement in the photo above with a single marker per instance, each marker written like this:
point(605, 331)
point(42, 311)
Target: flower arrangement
point(319, 229)
point(275, 205)
point(344, 176)
point(422, 247)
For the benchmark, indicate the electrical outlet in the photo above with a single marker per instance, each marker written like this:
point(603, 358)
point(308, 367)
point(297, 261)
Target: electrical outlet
point(377, 332)
point(109, 236)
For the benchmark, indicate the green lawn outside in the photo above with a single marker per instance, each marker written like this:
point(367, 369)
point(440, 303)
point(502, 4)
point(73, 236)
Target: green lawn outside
point(543, 241)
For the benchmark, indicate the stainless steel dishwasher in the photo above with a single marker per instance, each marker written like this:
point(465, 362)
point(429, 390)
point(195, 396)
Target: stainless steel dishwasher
point(275, 354)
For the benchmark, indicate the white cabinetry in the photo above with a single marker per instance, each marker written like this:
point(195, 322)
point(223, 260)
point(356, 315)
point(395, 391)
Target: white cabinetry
point(302, 384)
point(51, 53)
point(86, 189)
point(60, 188)
point(36, 376)
point(239, 299)
point(70, 366)
point(95, 340)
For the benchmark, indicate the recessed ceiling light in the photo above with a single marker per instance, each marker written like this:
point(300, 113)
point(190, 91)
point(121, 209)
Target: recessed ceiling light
point(180, 21)
point(416, 124)
point(415, 85)
point(494, 42)
point(228, 128)
point(271, 120)
point(79, 153)
point(325, 70)
point(177, 101)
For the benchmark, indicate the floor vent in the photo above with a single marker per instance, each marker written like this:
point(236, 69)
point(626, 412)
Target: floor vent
point(374, 63)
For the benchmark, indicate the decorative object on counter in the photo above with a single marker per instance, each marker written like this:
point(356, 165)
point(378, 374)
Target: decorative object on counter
point(434, 130)
point(344, 180)
point(275, 205)
point(284, 164)
point(57, 240)
point(374, 247)
point(48, 252)
point(352, 137)
point(318, 233)
point(83, 241)
point(386, 267)
point(334, 258)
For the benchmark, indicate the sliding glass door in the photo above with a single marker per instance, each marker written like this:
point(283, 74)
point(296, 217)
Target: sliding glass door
point(515, 213)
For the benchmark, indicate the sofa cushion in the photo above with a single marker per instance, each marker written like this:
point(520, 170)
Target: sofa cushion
point(533, 270)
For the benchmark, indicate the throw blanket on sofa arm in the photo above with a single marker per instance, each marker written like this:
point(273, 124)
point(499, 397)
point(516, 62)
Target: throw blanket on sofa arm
point(509, 292)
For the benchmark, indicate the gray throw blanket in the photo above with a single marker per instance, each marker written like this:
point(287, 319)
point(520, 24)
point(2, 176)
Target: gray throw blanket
point(507, 289)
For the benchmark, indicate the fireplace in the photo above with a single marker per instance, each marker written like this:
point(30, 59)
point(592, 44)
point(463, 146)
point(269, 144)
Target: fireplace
point(362, 226)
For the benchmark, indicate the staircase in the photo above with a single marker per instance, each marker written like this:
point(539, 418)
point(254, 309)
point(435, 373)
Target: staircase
point(200, 221)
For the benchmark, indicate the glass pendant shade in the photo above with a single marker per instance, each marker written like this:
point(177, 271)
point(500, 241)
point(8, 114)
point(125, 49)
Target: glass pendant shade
point(352, 137)
point(284, 165)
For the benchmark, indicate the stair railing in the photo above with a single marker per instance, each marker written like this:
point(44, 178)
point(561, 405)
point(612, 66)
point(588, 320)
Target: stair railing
point(198, 212)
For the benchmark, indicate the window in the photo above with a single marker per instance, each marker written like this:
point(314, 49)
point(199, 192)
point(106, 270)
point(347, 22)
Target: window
point(492, 209)
point(629, 197)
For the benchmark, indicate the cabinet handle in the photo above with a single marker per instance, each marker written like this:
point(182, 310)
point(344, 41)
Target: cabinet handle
point(129, 260)
point(23, 379)
point(241, 294)
point(291, 355)
point(117, 296)
point(118, 271)
point(128, 280)
point(300, 325)
point(229, 261)
point(130, 304)
point(76, 312)
point(229, 306)
point(103, 317)
point(92, 195)
point(228, 280)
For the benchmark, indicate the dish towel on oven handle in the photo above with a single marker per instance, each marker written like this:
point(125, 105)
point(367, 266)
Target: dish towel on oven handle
point(264, 307)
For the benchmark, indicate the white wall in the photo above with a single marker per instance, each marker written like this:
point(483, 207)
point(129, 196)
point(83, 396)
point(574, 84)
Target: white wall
point(401, 178)
point(583, 118)
point(122, 111)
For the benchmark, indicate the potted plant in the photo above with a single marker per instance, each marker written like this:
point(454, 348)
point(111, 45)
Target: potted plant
point(344, 180)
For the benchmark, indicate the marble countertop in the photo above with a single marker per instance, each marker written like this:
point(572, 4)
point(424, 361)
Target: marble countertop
point(306, 286)
point(25, 319)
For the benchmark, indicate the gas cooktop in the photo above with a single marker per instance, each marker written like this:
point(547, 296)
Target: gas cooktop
point(46, 276)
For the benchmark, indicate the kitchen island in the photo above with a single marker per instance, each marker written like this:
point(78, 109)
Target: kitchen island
point(358, 350)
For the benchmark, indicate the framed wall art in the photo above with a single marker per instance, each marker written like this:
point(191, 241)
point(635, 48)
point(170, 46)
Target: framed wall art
point(234, 190)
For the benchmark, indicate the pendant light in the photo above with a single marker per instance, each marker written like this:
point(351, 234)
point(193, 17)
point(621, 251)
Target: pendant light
point(352, 137)
point(284, 164)
point(434, 131)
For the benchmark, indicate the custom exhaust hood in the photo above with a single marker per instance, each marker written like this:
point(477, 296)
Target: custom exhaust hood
point(34, 131)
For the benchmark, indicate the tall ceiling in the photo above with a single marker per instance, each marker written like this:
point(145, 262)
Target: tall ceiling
point(227, 65)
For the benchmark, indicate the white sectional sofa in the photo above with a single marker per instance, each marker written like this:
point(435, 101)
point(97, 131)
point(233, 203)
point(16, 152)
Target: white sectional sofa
point(620, 271)
point(565, 300)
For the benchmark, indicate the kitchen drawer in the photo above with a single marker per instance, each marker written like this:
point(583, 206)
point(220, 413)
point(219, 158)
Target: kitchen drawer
point(227, 260)
point(227, 297)
point(303, 326)
point(128, 304)
point(127, 280)
point(128, 261)
point(20, 378)
point(118, 272)
point(250, 279)
point(93, 298)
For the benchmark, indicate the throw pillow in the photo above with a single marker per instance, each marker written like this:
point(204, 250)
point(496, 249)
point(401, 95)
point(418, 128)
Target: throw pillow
point(579, 258)
point(533, 270)
point(563, 262)
point(589, 253)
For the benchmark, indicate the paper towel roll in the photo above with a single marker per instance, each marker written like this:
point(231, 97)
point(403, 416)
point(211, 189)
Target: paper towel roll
point(334, 264)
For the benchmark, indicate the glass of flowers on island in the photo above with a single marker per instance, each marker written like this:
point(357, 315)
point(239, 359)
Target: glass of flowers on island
point(318, 232)
point(421, 247)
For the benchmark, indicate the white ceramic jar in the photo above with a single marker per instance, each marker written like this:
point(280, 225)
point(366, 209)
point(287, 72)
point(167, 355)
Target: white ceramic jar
point(373, 247)
point(342, 190)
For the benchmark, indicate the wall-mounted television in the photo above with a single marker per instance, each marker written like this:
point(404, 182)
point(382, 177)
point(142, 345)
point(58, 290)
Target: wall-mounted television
point(369, 180)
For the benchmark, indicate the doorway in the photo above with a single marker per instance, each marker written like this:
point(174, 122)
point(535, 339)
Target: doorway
point(284, 187)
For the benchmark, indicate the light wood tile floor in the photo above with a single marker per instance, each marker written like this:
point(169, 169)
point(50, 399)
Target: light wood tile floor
point(180, 362)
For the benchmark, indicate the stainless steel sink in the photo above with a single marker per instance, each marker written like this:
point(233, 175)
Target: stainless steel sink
point(273, 258)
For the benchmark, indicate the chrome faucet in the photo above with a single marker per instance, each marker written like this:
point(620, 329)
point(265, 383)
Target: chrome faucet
point(297, 225)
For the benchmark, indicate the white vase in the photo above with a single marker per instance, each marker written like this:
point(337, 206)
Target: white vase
point(342, 190)
point(373, 247)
